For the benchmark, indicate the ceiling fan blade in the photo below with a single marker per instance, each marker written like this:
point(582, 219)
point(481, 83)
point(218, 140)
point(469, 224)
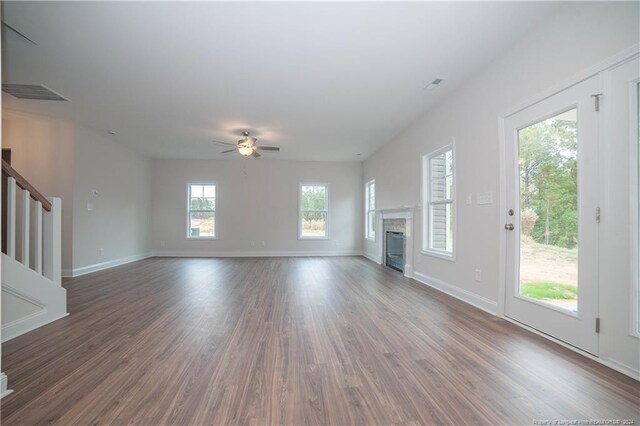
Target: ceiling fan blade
point(267, 148)
point(227, 151)
point(255, 154)
point(223, 143)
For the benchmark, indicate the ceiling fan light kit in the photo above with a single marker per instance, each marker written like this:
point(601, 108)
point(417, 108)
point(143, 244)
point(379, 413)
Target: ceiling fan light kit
point(245, 150)
point(247, 147)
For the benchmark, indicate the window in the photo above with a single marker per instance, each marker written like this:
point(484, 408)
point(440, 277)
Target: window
point(438, 202)
point(201, 211)
point(370, 219)
point(314, 204)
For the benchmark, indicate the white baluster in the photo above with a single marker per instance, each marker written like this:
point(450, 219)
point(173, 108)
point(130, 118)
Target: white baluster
point(37, 248)
point(11, 217)
point(26, 224)
point(53, 242)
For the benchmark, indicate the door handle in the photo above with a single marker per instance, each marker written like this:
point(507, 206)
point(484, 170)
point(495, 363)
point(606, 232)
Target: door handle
point(509, 226)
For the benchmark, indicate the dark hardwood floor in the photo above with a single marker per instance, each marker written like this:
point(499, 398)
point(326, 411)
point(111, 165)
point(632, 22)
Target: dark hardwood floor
point(292, 341)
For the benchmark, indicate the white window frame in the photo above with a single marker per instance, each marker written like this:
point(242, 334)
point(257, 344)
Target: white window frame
point(368, 209)
point(188, 216)
point(426, 204)
point(326, 205)
point(634, 197)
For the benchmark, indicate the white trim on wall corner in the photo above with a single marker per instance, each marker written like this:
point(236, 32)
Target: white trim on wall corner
point(76, 272)
point(487, 305)
point(256, 253)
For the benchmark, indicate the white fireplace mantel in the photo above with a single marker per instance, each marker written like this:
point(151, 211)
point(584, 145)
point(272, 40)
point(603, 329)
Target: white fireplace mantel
point(405, 213)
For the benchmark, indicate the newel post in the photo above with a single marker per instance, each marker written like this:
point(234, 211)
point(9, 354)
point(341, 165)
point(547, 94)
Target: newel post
point(52, 230)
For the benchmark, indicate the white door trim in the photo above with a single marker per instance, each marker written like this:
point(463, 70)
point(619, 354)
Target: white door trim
point(619, 58)
point(634, 206)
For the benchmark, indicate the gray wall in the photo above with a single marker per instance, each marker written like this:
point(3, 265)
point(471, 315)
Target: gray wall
point(62, 159)
point(119, 221)
point(576, 38)
point(42, 152)
point(257, 201)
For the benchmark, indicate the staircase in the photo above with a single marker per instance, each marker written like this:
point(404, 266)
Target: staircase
point(32, 292)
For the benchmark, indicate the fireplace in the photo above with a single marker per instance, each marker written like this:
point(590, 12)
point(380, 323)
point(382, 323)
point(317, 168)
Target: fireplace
point(394, 253)
point(397, 221)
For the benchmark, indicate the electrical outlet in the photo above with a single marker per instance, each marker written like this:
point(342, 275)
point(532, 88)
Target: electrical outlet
point(253, 243)
point(478, 275)
point(264, 244)
point(101, 251)
point(469, 199)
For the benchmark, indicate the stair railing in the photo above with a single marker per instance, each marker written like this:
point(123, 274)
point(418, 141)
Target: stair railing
point(47, 227)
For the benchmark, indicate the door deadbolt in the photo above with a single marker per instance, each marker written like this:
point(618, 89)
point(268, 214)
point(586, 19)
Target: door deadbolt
point(509, 226)
point(510, 212)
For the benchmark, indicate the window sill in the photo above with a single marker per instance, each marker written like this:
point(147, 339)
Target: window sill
point(439, 255)
point(312, 238)
point(370, 239)
point(201, 238)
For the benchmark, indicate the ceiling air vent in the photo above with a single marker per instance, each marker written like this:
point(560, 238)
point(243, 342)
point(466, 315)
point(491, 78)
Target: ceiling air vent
point(435, 83)
point(32, 91)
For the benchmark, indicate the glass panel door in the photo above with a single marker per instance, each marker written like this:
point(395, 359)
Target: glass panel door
point(551, 231)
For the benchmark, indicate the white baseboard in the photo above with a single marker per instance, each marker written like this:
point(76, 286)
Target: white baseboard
point(614, 365)
point(376, 259)
point(3, 386)
point(491, 307)
point(620, 367)
point(27, 324)
point(256, 253)
point(480, 302)
point(76, 272)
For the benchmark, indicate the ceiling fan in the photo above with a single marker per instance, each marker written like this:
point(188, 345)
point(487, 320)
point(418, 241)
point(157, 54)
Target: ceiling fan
point(247, 146)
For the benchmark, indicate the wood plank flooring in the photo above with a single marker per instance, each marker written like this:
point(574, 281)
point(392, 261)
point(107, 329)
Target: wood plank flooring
point(292, 341)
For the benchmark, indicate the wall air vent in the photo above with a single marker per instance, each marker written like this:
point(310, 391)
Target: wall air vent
point(435, 83)
point(32, 91)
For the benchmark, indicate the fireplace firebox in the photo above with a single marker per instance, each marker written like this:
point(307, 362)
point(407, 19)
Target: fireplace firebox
point(394, 257)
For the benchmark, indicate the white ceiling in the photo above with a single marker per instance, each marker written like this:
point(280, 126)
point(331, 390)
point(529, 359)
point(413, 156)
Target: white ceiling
point(324, 81)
